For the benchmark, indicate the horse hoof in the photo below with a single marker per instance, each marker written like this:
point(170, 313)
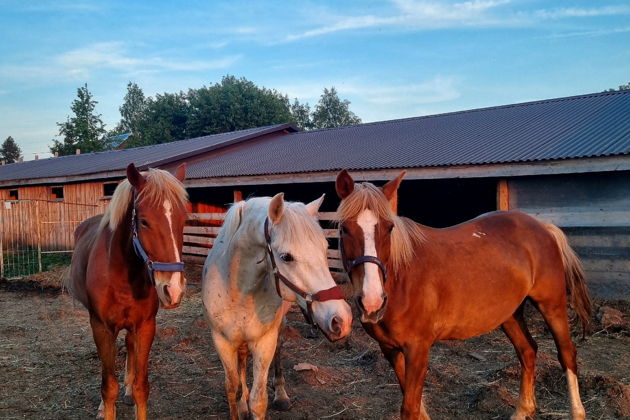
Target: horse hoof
point(128, 400)
point(281, 405)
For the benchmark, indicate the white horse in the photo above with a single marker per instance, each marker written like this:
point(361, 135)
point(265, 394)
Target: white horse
point(268, 254)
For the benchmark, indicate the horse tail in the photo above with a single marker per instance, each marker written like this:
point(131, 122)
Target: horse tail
point(576, 280)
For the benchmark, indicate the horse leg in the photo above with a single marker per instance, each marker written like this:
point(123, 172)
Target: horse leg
point(555, 314)
point(416, 365)
point(142, 346)
point(105, 341)
point(281, 400)
point(243, 404)
point(229, 358)
point(262, 354)
point(396, 358)
point(525, 346)
point(130, 368)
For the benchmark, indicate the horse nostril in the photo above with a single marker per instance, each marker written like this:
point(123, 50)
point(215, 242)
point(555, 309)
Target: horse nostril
point(360, 303)
point(167, 295)
point(335, 324)
point(384, 300)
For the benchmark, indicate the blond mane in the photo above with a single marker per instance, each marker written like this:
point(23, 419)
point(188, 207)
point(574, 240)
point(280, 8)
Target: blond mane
point(406, 234)
point(160, 186)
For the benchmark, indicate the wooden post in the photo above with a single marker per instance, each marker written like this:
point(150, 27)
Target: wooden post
point(503, 195)
point(39, 238)
point(238, 196)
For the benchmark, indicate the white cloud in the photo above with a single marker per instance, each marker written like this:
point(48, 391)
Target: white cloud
point(572, 12)
point(418, 15)
point(113, 55)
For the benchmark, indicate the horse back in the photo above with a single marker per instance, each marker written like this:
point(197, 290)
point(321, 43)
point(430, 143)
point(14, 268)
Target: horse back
point(84, 239)
point(471, 277)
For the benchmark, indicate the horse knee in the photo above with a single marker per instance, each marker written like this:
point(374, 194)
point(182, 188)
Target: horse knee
point(109, 389)
point(140, 389)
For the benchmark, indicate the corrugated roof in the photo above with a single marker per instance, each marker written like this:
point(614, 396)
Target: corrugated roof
point(117, 160)
point(574, 127)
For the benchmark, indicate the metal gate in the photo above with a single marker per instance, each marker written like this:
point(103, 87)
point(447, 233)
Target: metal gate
point(35, 234)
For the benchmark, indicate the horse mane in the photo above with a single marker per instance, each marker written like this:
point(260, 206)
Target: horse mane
point(296, 222)
point(160, 185)
point(406, 234)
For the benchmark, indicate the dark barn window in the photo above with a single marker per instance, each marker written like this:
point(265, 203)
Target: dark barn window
point(109, 188)
point(13, 195)
point(56, 193)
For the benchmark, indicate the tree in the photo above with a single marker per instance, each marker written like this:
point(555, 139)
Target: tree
point(10, 151)
point(85, 130)
point(621, 87)
point(132, 111)
point(331, 111)
point(301, 115)
point(234, 104)
point(164, 119)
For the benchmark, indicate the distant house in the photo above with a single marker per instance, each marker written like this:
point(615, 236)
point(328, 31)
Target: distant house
point(565, 160)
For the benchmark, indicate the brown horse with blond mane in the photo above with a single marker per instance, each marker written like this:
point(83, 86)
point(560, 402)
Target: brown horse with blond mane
point(117, 274)
point(415, 285)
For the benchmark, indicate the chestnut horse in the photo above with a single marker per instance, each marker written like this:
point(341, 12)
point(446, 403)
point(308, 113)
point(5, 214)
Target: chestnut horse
point(117, 275)
point(268, 254)
point(415, 285)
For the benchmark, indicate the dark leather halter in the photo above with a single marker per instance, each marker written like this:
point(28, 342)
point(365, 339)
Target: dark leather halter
point(348, 265)
point(150, 265)
point(333, 293)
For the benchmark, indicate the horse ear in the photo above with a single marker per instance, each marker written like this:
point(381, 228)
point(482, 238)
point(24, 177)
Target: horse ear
point(180, 172)
point(135, 177)
point(344, 184)
point(313, 206)
point(389, 189)
point(276, 208)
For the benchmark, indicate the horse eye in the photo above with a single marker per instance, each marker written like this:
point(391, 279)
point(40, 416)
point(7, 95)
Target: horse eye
point(390, 228)
point(343, 230)
point(286, 257)
point(144, 223)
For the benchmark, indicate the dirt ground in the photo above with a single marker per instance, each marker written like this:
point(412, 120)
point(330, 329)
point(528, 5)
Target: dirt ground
point(49, 368)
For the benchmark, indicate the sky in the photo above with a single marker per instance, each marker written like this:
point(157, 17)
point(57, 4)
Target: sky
point(390, 59)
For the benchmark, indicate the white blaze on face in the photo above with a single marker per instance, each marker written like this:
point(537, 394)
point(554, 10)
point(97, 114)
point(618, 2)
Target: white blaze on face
point(174, 285)
point(372, 288)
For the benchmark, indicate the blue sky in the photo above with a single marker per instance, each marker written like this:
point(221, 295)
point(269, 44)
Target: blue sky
point(391, 59)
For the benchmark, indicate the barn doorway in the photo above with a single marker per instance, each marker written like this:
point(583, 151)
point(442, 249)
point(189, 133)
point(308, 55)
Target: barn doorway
point(446, 202)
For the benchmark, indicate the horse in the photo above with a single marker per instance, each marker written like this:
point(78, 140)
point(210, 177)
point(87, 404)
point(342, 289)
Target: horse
point(268, 254)
point(456, 283)
point(117, 273)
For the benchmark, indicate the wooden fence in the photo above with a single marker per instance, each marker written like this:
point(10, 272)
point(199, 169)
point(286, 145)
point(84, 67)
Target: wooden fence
point(202, 230)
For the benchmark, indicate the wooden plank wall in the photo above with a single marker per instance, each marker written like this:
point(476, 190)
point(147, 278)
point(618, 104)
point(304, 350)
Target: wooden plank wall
point(594, 212)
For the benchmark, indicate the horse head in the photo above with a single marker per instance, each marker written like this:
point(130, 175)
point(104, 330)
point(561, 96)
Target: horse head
point(159, 213)
point(297, 247)
point(366, 223)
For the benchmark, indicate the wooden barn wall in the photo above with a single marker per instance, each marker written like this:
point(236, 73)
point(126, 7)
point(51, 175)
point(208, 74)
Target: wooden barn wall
point(38, 218)
point(594, 212)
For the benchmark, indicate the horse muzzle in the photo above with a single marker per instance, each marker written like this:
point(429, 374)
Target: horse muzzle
point(170, 290)
point(371, 316)
point(334, 318)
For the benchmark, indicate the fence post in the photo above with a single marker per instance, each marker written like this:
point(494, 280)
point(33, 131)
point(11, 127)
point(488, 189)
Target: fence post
point(39, 238)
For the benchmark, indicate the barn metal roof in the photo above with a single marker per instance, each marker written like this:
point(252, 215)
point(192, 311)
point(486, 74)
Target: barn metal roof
point(115, 161)
point(591, 125)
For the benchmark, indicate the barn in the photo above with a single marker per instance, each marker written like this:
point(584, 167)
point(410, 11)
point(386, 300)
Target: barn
point(565, 160)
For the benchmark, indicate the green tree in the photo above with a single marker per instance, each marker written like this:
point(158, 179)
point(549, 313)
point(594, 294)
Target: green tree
point(301, 115)
point(85, 130)
point(621, 87)
point(10, 151)
point(164, 119)
point(235, 104)
point(331, 111)
point(132, 111)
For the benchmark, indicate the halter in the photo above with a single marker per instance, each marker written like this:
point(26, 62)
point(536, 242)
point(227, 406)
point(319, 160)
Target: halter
point(348, 265)
point(333, 293)
point(137, 245)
